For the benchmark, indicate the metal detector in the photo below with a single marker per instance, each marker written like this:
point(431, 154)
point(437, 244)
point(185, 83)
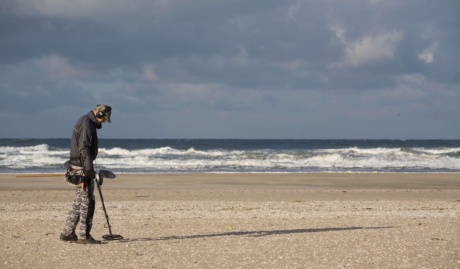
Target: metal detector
point(99, 179)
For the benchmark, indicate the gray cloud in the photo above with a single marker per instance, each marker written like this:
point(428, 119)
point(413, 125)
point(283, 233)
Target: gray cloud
point(283, 69)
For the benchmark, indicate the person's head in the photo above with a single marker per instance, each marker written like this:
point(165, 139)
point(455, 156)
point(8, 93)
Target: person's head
point(103, 113)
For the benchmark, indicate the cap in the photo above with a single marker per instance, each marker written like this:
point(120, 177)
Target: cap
point(104, 111)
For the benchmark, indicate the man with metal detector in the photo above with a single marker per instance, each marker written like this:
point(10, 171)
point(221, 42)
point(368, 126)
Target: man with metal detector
point(80, 167)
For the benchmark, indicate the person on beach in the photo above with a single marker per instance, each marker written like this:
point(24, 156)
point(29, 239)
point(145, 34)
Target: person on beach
point(83, 152)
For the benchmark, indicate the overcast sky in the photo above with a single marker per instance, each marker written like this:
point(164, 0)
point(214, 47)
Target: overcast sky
point(232, 68)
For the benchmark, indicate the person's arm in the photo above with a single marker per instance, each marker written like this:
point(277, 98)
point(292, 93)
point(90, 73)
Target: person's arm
point(85, 147)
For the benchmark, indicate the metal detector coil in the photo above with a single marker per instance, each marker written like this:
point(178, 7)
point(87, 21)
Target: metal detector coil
point(111, 237)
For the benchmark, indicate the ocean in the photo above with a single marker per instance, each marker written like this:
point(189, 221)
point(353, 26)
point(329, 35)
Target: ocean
point(154, 156)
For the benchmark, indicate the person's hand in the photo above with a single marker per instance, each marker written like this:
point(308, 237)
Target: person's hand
point(90, 173)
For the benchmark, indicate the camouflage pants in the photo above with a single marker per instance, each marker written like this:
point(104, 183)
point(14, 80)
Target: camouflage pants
point(81, 211)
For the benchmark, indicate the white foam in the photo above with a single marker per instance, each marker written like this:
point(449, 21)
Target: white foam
point(170, 159)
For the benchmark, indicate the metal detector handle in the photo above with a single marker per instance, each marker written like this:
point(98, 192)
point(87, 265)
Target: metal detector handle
point(99, 179)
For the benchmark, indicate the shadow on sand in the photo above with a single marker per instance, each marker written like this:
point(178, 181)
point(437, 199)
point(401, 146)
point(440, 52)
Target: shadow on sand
point(251, 233)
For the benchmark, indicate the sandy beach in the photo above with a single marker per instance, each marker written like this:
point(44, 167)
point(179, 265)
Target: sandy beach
point(240, 221)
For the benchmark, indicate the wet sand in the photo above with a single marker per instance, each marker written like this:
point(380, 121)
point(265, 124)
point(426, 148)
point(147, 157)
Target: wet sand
point(321, 220)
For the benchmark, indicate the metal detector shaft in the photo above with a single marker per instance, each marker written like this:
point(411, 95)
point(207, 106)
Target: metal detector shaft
point(103, 207)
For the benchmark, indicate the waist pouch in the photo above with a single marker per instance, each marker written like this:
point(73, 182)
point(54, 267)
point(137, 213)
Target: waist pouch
point(74, 174)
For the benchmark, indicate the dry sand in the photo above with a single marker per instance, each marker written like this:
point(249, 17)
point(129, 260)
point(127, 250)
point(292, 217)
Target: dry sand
point(240, 221)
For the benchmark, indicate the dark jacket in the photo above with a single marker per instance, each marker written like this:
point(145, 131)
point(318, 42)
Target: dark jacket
point(84, 145)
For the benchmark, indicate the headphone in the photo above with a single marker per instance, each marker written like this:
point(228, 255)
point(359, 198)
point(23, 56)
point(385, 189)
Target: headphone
point(101, 114)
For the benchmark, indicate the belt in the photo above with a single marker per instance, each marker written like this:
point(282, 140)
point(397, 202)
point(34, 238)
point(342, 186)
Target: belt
point(75, 167)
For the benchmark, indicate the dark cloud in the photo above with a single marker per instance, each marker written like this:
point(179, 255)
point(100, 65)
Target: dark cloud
point(187, 66)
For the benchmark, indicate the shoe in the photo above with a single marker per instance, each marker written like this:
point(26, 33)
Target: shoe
point(88, 240)
point(70, 238)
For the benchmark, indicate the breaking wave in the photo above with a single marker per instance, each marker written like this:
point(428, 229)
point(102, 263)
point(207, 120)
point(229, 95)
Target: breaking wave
point(168, 159)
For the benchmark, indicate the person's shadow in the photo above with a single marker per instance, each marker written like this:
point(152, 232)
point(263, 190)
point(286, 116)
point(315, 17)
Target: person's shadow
point(251, 233)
